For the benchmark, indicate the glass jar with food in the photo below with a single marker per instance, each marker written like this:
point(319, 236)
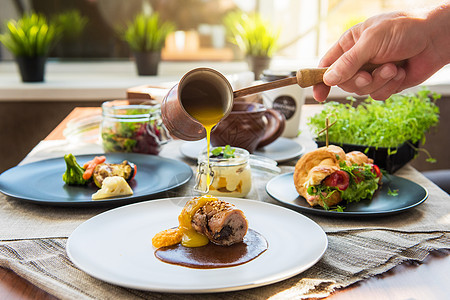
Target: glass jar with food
point(132, 126)
point(228, 171)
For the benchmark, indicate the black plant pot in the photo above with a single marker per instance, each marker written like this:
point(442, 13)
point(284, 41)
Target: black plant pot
point(32, 69)
point(381, 157)
point(147, 62)
point(257, 64)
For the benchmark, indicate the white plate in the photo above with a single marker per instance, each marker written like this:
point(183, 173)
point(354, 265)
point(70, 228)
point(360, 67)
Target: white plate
point(282, 149)
point(115, 246)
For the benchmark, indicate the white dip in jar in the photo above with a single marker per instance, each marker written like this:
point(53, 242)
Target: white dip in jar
point(229, 177)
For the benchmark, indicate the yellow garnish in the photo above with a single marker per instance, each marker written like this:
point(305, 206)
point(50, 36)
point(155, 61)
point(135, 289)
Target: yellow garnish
point(184, 233)
point(167, 237)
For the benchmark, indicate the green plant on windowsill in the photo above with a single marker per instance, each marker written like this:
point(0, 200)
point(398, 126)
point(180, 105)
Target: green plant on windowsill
point(254, 36)
point(30, 39)
point(30, 36)
point(146, 36)
point(70, 24)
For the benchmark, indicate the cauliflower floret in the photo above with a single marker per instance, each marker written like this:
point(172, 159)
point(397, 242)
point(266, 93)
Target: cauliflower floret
point(112, 187)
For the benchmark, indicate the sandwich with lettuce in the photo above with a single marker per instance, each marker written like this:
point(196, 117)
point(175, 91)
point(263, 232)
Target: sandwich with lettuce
point(327, 176)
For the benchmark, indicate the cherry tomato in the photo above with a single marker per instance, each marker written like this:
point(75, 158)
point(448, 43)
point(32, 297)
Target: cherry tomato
point(376, 170)
point(339, 179)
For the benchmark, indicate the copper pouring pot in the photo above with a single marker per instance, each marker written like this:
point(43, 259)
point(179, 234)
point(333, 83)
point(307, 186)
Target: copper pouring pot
point(173, 112)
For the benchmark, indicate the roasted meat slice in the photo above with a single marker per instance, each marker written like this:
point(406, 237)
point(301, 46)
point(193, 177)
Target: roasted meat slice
point(101, 171)
point(221, 222)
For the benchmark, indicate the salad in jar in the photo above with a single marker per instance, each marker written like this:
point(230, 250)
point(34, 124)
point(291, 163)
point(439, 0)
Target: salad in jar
point(132, 126)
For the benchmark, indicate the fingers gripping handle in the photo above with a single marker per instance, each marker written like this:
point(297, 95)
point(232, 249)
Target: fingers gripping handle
point(312, 76)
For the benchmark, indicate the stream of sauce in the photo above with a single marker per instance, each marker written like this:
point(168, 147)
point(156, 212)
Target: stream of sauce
point(203, 102)
point(213, 256)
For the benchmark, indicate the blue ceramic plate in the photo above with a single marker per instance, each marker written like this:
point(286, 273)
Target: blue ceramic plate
point(41, 182)
point(410, 194)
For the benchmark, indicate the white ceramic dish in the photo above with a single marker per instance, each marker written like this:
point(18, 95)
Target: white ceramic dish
point(115, 246)
point(282, 149)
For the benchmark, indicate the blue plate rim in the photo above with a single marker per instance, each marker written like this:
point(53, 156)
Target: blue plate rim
point(320, 211)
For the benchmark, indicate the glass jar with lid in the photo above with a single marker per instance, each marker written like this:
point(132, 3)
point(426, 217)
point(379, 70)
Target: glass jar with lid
point(228, 176)
point(132, 126)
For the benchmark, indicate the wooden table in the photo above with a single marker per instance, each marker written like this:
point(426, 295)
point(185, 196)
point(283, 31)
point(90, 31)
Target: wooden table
point(406, 281)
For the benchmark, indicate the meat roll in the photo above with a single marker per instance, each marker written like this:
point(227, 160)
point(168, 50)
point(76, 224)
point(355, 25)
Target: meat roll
point(221, 222)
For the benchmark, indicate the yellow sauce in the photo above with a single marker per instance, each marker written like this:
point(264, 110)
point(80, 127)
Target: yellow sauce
point(208, 117)
point(184, 233)
point(203, 103)
point(192, 238)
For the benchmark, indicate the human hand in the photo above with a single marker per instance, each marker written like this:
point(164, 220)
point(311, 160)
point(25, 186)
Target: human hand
point(383, 39)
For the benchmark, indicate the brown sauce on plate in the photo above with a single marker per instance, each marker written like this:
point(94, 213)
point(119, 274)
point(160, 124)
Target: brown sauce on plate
point(213, 256)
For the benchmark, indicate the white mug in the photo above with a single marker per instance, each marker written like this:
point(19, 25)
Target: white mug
point(288, 100)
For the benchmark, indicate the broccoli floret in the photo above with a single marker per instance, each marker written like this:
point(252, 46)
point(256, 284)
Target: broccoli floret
point(74, 172)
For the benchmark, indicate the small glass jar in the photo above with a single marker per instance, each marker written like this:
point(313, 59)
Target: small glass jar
point(132, 126)
point(229, 177)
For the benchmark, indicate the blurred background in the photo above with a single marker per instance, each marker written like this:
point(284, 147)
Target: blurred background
point(308, 27)
point(91, 64)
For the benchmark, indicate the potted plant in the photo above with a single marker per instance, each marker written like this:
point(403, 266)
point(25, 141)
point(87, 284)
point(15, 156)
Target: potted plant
point(387, 131)
point(70, 25)
point(30, 39)
point(255, 38)
point(146, 36)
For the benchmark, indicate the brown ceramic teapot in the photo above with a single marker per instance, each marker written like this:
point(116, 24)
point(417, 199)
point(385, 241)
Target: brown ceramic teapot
point(248, 126)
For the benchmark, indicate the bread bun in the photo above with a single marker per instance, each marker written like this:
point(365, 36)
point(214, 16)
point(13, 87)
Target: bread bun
point(315, 166)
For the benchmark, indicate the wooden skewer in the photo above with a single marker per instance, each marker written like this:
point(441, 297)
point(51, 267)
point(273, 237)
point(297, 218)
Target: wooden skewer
point(304, 78)
point(320, 132)
point(327, 126)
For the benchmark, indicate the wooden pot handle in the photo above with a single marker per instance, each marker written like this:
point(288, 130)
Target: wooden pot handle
point(304, 78)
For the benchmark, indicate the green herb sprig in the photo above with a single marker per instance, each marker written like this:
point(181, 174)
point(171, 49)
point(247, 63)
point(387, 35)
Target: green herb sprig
point(226, 152)
point(393, 193)
point(389, 123)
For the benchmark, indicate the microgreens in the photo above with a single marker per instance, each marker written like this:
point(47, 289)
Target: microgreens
point(392, 193)
point(389, 123)
point(338, 208)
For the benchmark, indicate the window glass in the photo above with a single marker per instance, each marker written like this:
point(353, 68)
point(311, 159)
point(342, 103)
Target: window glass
point(307, 27)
